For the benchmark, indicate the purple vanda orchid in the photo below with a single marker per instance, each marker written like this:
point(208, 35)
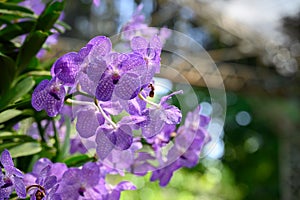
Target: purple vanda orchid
point(81, 183)
point(49, 96)
point(12, 179)
point(45, 186)
point(123, 77)
point(158, 116)
point(66, 68)
point(108, 139)
point(189, 142)
point(150, 51)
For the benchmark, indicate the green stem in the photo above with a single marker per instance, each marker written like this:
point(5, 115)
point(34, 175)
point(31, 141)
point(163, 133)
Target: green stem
point(149, 102)
point(95, 105)
point(56, 138)
point(78, 93)
point(105, 116)
point(41, 130)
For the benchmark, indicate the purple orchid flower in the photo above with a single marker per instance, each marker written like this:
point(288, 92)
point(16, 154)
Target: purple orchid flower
point(189, 142)
point(136, 22)
point(12, 179)
point(88, 120)
point(123, 159)
point(116, 190)
point(142, 164)
point(108, 138)
point(157, 117)
point(119, 138)
point(45, 187)
point(66, 68)
point(76, 145)
point(150, 51)
point(49, 96)
point(93, 64)
point(37, 6)
point(165, 174)
point(137, 26)
point(56, 169)
point(192, 135)
point(81, 183)
point(163, 138)
point(123, 76)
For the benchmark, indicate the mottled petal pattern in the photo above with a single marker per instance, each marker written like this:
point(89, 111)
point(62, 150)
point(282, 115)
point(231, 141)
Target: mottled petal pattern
point(87, 122)
point(154, 124)
point(91, 172)
point(155, 43)
point(101, 46)
point(105, 89)
point(20, 187)
point(139, 43)
point(67, 67)
point(54, 105)
point(104, 145)
point(95, 70)
point(128, 86)
point(171, 115)
point(6, 159)
point(123, 137)
point(134, 64)
point(11, 178)
point(49, 95)
point(87, 85)
point(39, 95)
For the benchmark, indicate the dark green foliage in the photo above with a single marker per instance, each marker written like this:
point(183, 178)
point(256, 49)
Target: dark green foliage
point(21, 71)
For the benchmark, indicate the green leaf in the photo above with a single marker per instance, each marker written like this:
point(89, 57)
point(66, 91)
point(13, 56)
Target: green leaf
point(49, 16)
point(39, 73)
point(10, 117)
point(8, 48)
point(9, 114)
point(4, 21)
point(34, 64)
point(14, 1)
point(8, 70)
point(77, 160)
point(8, 145)
point(12, 11)
point(63, 24)
point(26, 149)
point(14, 7)
point(20, 105)
point(13, 30)
point(30, 48)
point(15, 137)
point(22, 88)
point(35, 40)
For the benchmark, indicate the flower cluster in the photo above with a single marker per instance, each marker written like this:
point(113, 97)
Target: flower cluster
point(56, 181)
point(37, 6)
point(11, 179)
point(110, 93)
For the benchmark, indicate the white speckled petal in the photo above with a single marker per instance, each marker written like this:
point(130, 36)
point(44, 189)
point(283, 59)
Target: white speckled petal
point(87, 122)
point(128, 86)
